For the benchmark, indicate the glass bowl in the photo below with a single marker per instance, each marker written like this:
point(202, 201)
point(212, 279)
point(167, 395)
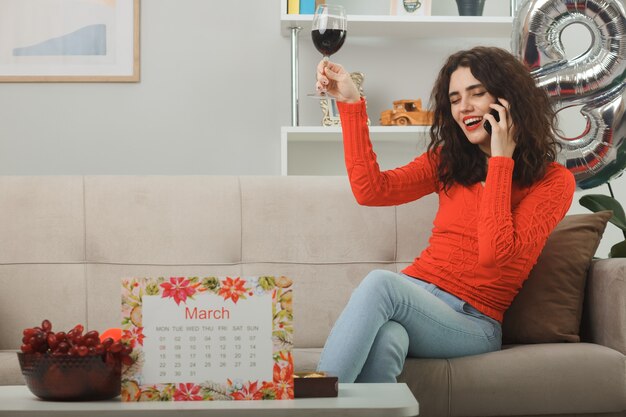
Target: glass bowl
point(70, 378)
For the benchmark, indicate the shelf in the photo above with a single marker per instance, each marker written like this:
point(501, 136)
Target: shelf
point(318, 150)
point(333, 134)
point(412, 26)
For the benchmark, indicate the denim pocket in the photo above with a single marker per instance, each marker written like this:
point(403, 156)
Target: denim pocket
point(491, 327)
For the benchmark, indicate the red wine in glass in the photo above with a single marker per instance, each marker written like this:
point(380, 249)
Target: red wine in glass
point(329, 41)
point(328, 31)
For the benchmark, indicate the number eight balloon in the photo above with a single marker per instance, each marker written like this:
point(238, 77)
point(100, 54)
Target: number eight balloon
point(595, 80)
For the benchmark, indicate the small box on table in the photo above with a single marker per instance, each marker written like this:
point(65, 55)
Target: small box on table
point(315, 384)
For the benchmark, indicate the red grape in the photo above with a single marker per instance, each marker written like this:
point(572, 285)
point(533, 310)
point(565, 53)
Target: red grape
point(74, 343)
point(46, 325)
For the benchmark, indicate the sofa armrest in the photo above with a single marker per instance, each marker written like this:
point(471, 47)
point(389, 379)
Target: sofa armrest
point(604, 311)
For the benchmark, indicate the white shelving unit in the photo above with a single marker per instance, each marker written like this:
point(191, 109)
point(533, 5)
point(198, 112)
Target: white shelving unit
point(315, 150)
point(412, 27)
point(318, 150)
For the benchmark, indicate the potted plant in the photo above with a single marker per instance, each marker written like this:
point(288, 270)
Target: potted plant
point(599, 202)
point(470, 7)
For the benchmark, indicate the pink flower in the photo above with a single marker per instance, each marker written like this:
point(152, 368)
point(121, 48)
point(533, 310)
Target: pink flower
point(187, 392)
point(179, 288)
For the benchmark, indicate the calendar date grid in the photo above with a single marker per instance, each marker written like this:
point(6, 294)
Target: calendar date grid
point(191, 351)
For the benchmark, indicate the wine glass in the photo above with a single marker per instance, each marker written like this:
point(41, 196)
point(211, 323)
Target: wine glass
point(328, 31)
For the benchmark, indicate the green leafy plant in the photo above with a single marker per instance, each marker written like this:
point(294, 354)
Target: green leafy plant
point(600, 202)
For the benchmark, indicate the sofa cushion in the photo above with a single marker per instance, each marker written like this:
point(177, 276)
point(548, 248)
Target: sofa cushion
point(429, 381)
point(548, 308)
point(551, 378)
point(306, 359)
point(162, 220)
point(44, 218)
point(33, 292)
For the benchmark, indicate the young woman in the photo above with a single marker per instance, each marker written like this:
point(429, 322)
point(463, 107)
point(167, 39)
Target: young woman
point(500, 196)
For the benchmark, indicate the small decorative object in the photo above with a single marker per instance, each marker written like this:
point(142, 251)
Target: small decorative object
point(470, 7)
point(330, 112)
point(406, 113)
point(71, 366)
point(315, 385)
point(410, 7)
point(329, 105)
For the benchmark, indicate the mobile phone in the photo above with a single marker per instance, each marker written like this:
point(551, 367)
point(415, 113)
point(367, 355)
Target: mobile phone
point(487, 125)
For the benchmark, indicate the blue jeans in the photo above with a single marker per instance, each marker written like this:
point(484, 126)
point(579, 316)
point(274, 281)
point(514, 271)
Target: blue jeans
point(391, 316)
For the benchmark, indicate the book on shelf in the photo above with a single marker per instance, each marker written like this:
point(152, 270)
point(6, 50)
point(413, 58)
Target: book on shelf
point(293, 6)
point(307, 6)
point(303, 6)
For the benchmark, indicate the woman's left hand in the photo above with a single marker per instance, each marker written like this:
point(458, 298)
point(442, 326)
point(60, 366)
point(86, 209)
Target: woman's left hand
point(502, 132)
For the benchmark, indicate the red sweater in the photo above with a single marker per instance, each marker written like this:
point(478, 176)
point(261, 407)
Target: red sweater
point(485, 239)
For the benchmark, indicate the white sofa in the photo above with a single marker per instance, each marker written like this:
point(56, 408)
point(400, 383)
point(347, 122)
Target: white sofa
point(67, 241)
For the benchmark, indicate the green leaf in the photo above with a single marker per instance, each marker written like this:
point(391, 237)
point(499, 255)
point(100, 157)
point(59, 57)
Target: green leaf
point(599, 202)
point(618, 250)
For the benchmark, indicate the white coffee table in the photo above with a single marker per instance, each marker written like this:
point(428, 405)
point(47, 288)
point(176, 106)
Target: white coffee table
point(362, 400)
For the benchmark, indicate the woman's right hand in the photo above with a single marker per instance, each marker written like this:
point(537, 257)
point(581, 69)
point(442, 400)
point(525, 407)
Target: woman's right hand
point(336, 81)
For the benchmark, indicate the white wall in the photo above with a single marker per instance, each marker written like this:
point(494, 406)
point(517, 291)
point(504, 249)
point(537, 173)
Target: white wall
point(214, 91)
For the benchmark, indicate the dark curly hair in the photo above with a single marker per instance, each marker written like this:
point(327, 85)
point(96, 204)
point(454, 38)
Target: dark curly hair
point(532, 114)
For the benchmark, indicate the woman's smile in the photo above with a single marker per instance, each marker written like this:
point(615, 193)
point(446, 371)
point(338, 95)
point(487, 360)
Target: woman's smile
point(472, 122)
point(469, 102)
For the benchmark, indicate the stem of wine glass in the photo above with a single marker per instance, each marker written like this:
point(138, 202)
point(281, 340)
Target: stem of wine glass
point(325, 59)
